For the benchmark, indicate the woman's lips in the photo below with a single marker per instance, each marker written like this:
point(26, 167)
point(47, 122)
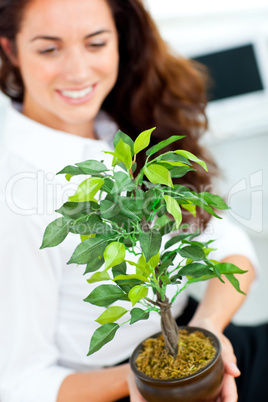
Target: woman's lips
point(75, 96)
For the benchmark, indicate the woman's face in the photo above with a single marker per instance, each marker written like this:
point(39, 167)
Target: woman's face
point(67, 52)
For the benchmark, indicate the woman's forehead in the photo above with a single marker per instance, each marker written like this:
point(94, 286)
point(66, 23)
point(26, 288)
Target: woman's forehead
point(58, 17)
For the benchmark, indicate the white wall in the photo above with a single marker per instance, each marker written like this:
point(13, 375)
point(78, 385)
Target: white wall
point(243, 160)
point(165, 9)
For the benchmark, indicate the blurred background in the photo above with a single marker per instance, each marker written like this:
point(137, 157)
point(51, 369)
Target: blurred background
point(231, 38)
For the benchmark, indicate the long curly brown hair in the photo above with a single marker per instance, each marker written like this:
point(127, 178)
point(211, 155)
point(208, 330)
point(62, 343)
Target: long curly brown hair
point(154, 88)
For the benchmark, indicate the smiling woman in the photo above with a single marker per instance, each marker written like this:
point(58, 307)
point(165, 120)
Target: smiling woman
point(64, 63)
point(77, 71)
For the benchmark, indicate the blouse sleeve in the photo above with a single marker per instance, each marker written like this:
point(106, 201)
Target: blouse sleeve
point(29, 291)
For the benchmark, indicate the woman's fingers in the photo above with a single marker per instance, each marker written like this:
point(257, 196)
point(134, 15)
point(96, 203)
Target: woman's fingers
point(232, 369)
point(134, 394)
point(229, 357)
point(229, 391)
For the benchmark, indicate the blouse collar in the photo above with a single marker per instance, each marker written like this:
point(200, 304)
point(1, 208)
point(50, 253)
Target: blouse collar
point(52, 149)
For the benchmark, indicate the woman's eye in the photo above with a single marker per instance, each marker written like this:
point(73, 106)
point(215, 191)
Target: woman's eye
point(50, 50)
point(96, 45)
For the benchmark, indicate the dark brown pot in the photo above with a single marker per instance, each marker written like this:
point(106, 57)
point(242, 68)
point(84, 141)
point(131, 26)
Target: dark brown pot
point(203, 386)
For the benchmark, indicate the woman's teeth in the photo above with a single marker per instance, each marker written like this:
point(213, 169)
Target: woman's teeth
point(77, 94)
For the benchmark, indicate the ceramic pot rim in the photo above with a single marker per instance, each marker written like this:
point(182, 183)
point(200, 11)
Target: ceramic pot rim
point(204, 369)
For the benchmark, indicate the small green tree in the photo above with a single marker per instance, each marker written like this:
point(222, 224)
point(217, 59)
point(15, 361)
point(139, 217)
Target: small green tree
point(113, 211)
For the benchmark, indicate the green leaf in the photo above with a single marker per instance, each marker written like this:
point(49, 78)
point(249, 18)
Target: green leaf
point(162, 221)
point(158, 174)
point(89, 250)
point(181, 171)
point(171, 165)
point(108, 185)
point(192, 158)
point(165, 280)
point(99, 276)
point(75, 210)
point(229, 268)
point(168, 228)
point(101, 336)
point(127, 284)
point(195, 253)
point(87, 189)
point(176, 279)
point(214, 200)
point(122, 183)
point(137, 293)
point(174, 209)
point(168, 255)
point(177, 239)
point(94, 264)
point(114, 254)
point(112, 314)
point(109, 209)
point(104, 295)
point(154, 261)
point(163, 144)
point(173, 158)
point(208, 250)
point(195, 280)
point(85, 237)
point(234, 281)
point(56, 232)
point(164, 266)
point(141, 266)
point(134, 167)
point(130, 208)
point(139, 198)
point(137, 314)
point(143, 140)
point(149, 201)
point(122, 153)
point(71, 170)
point(190, 208)
point(195, 270)
point(90, 224)
point(122, 136)
point(131, 276)
point(198, 200)
point(119, 269)
point(92, 167)
point(150, 243)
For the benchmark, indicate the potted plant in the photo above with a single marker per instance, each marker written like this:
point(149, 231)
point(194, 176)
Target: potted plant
point(115, 211)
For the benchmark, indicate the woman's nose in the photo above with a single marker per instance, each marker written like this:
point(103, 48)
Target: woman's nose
point(76, 65)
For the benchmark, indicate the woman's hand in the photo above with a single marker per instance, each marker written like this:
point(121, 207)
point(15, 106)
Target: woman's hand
point(229, 391)
point(134, 394)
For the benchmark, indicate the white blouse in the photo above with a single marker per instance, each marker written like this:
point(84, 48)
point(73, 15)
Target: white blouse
point(45, 326)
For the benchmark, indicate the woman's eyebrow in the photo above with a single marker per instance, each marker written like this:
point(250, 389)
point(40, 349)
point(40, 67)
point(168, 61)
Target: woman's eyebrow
point(98, 33)
point(54, 38)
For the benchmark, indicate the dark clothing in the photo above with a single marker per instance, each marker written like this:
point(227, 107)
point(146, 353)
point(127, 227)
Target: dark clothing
point(250, 345)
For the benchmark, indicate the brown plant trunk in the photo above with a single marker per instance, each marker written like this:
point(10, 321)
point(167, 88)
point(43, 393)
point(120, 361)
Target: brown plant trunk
point(169, 327)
